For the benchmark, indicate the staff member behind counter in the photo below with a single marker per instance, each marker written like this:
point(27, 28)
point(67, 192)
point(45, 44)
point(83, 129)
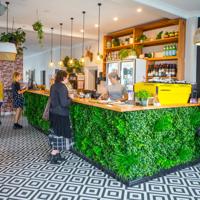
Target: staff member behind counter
point(115, 91)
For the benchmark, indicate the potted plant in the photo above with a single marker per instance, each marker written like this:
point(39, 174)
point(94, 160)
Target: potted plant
point(77, 65)
point(126, 41)
point(123, 54)
point(132, 53)
point(115, 42)
point(18, 38)
point(143, 96)
point(159, 35)
point(37, 26)
point(142, 38)
point(166, 35)
point(127, 53)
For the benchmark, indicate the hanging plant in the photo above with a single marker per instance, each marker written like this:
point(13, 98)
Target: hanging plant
point(37, 26)
point(18, 38)
point(76, 65)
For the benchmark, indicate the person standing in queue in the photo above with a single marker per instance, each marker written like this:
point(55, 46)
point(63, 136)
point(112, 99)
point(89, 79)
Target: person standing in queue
point(18, 99)
point(59, 116)
point(115, 91)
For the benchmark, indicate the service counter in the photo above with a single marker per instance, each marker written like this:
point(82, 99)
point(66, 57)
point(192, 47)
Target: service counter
point(131, 142)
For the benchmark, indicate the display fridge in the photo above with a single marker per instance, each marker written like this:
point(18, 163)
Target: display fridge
point(129, 71)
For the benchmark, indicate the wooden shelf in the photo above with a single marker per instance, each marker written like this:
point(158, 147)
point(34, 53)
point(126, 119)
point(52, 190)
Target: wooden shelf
point(120, 47)
point(162, 58)
point(157, 42)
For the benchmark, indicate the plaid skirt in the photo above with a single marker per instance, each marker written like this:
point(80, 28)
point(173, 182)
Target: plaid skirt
point(59, 142)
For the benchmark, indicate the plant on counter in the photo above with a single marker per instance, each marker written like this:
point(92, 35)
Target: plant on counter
point(131, 144)
point(38, 27)
point(143, 96)
point(18, 38)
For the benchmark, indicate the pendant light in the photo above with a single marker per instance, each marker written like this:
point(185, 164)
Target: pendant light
point(71, 61)
point(98, 53)
point(197, 37)
point(60, 63)
point(82, 60)
point(8, 50)
point(51, 64)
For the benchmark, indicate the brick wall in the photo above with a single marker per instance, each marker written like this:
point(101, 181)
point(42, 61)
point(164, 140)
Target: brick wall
point(6, 70)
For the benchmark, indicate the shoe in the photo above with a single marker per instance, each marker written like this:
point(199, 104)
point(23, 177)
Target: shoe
point(59, 157)
point(20, 126)
point(17, 126)
point(54, 159)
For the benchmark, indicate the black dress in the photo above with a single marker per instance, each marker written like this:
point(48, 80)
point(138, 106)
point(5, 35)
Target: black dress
point(18, 99)
point(59, 110)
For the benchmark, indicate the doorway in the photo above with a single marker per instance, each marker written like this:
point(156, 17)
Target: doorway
point(91, 74)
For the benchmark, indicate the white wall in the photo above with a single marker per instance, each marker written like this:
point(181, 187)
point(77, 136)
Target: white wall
point(190, 50)
point(40, 61)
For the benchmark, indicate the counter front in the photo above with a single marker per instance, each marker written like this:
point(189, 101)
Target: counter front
point(132, 143)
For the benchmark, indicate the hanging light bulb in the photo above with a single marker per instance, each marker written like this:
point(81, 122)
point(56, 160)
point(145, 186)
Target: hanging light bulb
point(71, 61)
point(99, 57)
point(51, 63)
point(8, 50)
point(60, 63)
point(82, 60)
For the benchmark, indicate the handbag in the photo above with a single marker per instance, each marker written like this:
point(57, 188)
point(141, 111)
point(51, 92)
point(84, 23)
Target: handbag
point(45, 115)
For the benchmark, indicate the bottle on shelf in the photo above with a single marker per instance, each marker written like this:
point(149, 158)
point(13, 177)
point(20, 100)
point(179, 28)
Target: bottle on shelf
point(170, 50)
point(162, 70)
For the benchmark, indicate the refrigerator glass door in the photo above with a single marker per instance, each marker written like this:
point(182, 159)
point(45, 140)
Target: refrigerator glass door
point(112, 67)
point(127, 73)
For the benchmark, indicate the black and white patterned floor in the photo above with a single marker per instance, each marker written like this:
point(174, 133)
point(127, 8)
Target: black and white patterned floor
point(24, 174)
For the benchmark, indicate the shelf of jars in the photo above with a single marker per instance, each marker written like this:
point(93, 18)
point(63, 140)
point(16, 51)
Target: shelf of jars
point(157, 42)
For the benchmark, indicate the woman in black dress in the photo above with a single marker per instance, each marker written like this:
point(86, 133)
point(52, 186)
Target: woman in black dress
point(59, 112)
point(18, 100)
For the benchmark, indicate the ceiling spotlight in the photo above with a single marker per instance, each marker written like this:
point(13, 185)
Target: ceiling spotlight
point(139, 10)
point(96, 25)
point(115, 19)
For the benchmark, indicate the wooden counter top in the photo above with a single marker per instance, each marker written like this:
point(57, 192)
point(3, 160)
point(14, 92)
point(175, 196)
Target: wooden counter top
point(117, 108)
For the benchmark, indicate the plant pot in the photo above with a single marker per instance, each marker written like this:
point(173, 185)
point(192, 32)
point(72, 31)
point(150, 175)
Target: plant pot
point(143, 102)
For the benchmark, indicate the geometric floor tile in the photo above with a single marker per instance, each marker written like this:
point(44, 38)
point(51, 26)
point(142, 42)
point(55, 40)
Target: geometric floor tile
point(25, 174)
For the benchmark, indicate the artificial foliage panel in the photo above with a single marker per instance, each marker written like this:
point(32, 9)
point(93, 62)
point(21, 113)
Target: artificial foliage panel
point(137, 144)
point(34, 108)
point(130, 144)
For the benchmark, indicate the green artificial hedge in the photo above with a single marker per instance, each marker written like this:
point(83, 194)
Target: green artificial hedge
point(137, 144)
point(131, 144)
point(34, 108)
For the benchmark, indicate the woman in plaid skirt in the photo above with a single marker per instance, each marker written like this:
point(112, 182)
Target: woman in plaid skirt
point(59, 116)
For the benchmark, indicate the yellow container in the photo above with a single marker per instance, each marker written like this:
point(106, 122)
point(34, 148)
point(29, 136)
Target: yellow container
point(168, 94)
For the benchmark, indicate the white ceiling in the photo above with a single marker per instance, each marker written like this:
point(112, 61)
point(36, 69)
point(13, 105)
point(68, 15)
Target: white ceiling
point(52, 12)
